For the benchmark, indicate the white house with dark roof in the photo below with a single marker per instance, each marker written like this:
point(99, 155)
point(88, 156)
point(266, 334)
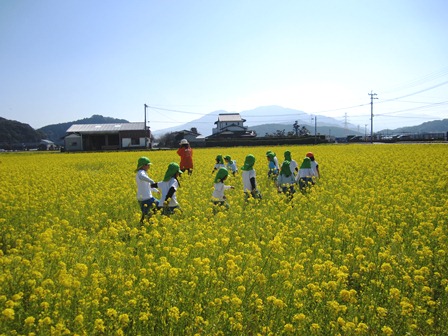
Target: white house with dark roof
point(87, 137)
point(231, 125)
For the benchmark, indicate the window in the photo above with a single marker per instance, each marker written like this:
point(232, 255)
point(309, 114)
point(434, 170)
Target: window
point(135, 141)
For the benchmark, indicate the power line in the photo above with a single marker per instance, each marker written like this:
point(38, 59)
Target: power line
point(429, 77)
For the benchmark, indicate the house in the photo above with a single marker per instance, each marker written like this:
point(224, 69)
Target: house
point(46, 145)
point(231, 125)
point(192, 136)
point(88, 137)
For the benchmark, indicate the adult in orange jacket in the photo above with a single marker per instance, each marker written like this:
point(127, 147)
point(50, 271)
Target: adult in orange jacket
point(186, 156)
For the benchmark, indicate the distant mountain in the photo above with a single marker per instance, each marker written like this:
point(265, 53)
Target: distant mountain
point(56, 132)
point(14, 132)
point(435, 126)
point(262, 116)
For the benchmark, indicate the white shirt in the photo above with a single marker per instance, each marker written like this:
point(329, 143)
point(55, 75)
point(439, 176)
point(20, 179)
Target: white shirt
point(314, 168)
point(219, 165)
point(247, 175)
point(232, 166)
point(276, 162)
point(293, 165)
point(218, 193)
point(282, 179)
point(164, 188)
point(143, 185)
point(304, 172)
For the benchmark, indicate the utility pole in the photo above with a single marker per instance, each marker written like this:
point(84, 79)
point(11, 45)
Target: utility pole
point(345, 124)
point(372, 97)
point(146, 129)
point(315, 129)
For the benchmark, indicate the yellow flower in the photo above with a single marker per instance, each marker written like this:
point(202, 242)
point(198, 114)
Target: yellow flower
point(112, 313)
point(315, 328)
point(8, 313)
point(174, 313)
point(387, 330)
point(29, 321)
point(123, 319)
point(382, 312)
point(79, 319)
point(288, 328)
point(236, 301)
point(99, 325)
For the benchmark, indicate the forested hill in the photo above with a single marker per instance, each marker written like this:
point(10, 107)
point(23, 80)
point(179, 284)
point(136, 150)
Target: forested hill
point(14, 132)
point(435, 126)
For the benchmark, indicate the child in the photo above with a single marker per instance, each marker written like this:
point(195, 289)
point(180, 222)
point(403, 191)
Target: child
point(272, 164)
point(292, 163)
point(168, 187)
point(186, 156)
point(305, 176)
point(219, 163)
point(218, 194)
point(286, 179)
point(314, 165)
point(231, 165)
point(249, 177)
point(144, 184)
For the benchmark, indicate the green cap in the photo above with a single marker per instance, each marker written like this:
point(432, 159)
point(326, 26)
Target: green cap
point(306, 163)
point(219, 159)
point(143, 161)
point(288, 155)
point(270, 155)
point(173, 168)
point(222, 172)
point(248, 162)
point(228, 158)
point(285, 170)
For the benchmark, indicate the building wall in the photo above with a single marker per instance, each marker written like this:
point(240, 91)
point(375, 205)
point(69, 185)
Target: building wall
point(129, 143)
point(73, 143)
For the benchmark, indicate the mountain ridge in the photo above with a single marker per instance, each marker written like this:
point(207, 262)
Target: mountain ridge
point(14, 132)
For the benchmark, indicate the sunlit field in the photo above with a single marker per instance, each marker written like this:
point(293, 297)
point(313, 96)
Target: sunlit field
point(363, 252)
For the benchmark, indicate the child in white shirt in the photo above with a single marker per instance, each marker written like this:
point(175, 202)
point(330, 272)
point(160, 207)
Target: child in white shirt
point(231, 165)
point(249, 177)
point(314, 165)
point(305, 176)
point(218, 193)
point(168, 188)
point(286, 180)
point(145, 187)
point(219, 163)
point(292, 163)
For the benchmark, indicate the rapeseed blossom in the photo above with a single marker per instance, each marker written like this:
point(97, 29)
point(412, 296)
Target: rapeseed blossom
point(362, 252)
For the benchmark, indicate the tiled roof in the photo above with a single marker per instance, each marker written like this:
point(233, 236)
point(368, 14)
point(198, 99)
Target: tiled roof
point(230, 117)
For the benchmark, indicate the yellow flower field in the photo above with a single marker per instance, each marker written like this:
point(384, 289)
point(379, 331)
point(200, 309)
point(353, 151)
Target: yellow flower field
point(363, 252)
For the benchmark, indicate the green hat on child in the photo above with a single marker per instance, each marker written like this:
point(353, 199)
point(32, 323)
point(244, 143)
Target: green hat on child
point(222, 172)
point(270, 155)
point(219, 159)
point(285, 170)
point(288, 155)
point(173, 168)
point(142, 161)
point(306, 163)
point(248, 162)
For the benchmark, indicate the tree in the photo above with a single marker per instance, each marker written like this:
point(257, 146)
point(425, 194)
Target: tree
point(300, 130)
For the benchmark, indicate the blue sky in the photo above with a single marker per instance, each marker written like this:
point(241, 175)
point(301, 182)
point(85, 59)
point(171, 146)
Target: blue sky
point(67, 60)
